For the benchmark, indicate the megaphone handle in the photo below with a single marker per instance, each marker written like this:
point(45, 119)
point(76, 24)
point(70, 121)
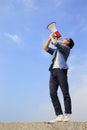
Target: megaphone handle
point(57, 34)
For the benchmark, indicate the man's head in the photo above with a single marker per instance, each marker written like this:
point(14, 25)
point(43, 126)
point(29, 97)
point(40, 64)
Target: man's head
point(68, 41)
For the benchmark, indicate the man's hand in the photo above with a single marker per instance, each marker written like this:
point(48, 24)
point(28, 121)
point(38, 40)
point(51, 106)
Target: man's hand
point(52, 37)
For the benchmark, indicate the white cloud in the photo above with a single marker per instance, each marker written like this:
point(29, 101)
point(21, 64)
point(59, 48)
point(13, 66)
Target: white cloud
point(79, 107)
point(78, 81)
point(29, 4)
point(71, 62)
point(46, 112)
point(81, 22)
point(58, 2)
point(9, 5)
point(15, 38)
point(80, 104)
point(61, 2)
point(77, 71)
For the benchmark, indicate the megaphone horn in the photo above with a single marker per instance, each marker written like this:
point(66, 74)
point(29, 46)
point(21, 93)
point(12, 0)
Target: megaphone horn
point(52, 27)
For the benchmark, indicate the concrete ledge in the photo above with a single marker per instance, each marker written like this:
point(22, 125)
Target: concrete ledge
point(43, 126)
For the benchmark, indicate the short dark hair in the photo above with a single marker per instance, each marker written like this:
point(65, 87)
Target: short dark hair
point(71, 44)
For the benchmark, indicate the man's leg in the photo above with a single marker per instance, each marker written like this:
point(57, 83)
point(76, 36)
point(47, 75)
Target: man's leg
point(62, 78)
point(53, 84)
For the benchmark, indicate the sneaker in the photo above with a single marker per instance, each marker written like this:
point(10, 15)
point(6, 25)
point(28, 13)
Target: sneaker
point(67, 117)
point(59, 118)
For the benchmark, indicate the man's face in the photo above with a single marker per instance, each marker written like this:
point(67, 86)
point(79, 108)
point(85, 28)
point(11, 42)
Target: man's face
point(65, 41)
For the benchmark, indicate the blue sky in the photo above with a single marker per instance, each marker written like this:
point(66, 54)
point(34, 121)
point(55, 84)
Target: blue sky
point(24, 75)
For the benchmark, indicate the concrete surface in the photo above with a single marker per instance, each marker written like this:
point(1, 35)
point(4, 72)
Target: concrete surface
point(43, 126)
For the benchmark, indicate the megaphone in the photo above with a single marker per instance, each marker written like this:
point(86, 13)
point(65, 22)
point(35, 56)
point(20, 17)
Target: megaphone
point(52, 28)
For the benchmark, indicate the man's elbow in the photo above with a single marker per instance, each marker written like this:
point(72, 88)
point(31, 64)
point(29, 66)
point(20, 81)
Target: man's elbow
point(45, 48)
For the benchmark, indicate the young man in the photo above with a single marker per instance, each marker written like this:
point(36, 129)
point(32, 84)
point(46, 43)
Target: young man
point(58, 75)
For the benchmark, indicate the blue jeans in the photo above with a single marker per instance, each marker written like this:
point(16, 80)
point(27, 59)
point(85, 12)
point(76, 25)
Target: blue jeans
point(58, 77)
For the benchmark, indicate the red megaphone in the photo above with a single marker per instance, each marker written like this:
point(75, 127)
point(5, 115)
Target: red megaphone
point(52, 27)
